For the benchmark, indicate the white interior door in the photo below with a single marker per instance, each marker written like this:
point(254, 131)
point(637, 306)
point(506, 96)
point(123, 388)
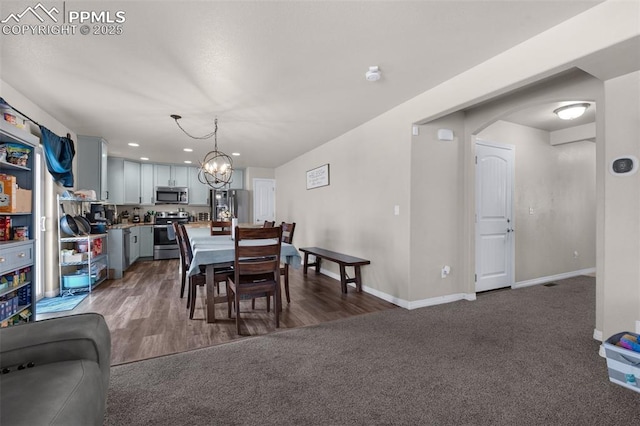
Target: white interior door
point(264, 200)
point(495, 238)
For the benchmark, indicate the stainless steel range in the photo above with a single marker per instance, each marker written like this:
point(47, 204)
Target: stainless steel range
point(163, 246)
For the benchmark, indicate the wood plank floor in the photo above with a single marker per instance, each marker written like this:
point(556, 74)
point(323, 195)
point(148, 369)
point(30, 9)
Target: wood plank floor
point(147, 318)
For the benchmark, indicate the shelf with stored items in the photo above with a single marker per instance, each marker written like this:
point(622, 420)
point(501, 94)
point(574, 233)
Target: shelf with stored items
point(83, 256)
point(17, 257)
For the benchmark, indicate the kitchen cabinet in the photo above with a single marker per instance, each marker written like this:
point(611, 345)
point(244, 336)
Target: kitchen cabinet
point(147, 189)
point(237, 180)
point(132, 182)
point(83, 259)
point(123, 181)
point(146, 240)
point(198, 191)
point(119, 240)
point(115, 181)
point(169, 175)
point(128, 243)
point(134, 244)
point(91, 154)
point(17, 258)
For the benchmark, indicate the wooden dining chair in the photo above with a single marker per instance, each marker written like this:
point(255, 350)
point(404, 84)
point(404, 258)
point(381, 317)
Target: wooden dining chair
point(256, 269)
point(184, 266)
point(269, 224)
point(199, 279)
point(287, 237)
point(220, 227)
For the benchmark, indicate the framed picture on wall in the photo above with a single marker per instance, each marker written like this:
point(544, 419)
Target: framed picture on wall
point(318, 177)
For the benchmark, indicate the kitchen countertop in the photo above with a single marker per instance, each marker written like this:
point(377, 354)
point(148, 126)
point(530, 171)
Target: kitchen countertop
point(131, 225)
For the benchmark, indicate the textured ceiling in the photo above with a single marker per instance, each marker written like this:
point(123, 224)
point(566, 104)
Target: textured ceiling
point(282, 77)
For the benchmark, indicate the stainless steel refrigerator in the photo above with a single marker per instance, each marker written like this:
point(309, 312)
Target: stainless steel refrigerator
point(236, 201)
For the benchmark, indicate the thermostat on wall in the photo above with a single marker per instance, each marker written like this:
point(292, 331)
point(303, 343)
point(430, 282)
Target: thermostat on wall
point(626, 165)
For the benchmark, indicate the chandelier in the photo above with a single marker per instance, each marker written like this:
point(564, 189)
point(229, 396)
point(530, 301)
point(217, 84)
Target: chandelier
point(216, 168)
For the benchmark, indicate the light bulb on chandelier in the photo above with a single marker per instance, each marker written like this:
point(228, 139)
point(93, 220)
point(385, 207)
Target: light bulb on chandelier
point(210, 173)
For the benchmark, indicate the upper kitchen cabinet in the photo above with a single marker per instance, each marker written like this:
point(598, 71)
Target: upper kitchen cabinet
point(132, 182)
point(168, 175)
point(124, 181)
point(237, 179)
point(147, 193)
point(92, 165)
point(115, 181)
point(198, 191)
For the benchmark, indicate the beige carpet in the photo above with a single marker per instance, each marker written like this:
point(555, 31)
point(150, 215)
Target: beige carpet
point(512, 357)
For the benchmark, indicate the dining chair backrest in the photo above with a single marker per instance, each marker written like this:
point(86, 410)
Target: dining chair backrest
point(176, 231)
point(269, 224)
point(220, 227)
point(259, 259)
point(185, 245)
point(287, 232)
point(178, 234)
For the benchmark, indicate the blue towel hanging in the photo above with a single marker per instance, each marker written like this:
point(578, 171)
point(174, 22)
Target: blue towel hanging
point(171, 233)
point(59, 153)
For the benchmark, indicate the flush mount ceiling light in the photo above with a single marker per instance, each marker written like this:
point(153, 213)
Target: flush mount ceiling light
point(570, 112)
point(216, 168)
point(373, 74)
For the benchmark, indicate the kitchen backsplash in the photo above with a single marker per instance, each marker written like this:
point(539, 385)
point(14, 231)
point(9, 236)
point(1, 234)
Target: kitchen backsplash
point(192, 210)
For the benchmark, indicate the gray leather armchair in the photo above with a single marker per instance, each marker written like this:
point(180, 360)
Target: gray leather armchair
point(55, 371)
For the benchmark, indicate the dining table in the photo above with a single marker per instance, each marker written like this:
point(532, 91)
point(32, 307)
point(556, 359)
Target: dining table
point(218, 251)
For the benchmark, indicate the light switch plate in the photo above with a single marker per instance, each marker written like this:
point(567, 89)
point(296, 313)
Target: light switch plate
point(396, 210)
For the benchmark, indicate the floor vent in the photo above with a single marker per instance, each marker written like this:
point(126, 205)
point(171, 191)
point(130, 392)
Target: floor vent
point(550, 284)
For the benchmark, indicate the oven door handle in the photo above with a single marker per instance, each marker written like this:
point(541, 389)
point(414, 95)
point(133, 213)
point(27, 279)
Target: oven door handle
point(161, 226)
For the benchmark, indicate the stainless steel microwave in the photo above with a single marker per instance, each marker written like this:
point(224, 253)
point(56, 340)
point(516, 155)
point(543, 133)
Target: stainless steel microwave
point(172, 195)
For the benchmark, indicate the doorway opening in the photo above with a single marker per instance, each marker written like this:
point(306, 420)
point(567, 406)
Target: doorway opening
point(553, 226)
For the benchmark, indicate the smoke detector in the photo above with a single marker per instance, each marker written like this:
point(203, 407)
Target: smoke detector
point(373, 74)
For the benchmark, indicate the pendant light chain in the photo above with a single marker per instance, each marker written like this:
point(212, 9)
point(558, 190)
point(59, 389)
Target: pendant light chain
point(217, 167)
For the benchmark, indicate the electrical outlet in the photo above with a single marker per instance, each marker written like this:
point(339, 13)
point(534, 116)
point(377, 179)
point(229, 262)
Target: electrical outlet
point(530, 210)
point(446, 270)
point(576, 254)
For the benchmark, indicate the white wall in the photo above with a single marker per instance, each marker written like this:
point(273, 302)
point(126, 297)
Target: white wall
point(436, 211)
point(555, 201)
point(621, 265)
point(372, 190)
point(355, 213)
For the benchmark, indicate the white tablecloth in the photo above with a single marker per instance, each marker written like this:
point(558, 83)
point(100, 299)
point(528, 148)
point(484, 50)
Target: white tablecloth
point(208, 249)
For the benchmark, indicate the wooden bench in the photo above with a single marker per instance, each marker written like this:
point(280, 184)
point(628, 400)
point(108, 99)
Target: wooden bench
point(341, 259)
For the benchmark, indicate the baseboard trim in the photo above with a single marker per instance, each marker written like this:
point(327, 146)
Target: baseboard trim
point(546, 279)
point(374, 292)
point(405, 303)
point(597, 335)
point(432, 301)
point(384, 296)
